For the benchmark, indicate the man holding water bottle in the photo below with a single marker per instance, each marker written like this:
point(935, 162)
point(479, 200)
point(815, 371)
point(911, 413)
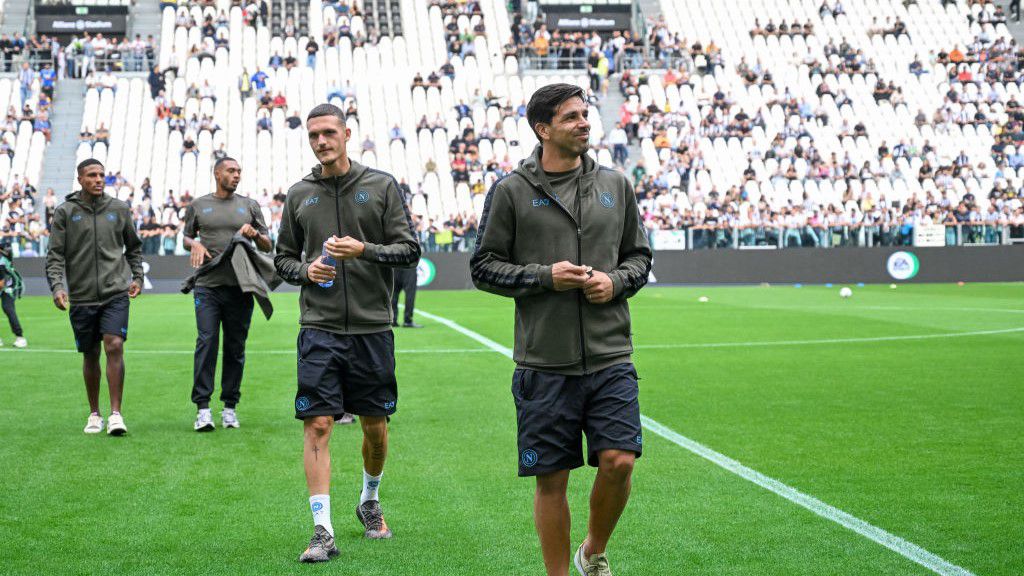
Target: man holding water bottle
point(343, 228)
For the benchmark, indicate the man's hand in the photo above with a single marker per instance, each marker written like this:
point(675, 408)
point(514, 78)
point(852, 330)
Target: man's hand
point(134, 289)
point(248, 231)
point(599, 288)
point(199, 254)
point(345, 248)
point(565, 275)
point(319, 272)
point(60, 300)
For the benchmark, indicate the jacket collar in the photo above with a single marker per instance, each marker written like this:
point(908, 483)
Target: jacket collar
point(530, 168)
point(336, 185)
point(100, 204)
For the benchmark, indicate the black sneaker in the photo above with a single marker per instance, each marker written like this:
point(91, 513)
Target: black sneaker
point(412, 325)
point(372, 518)
point(321, 546)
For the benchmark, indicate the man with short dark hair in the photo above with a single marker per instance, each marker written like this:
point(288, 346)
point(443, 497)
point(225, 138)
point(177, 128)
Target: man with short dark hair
point(95, 265)
point(211, 222)
point(343, 228)
point(563, 237)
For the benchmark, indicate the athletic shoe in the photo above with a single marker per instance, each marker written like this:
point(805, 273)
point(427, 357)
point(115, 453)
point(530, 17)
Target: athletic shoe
point(204, 421)
point(115, 425)
point(346, 418)
point(20, 342)
point(596, 565)
point(228, 418)
point(321, 546)
point(412, 325)
point(2, 341)
point(372, 518)
point(94, 425)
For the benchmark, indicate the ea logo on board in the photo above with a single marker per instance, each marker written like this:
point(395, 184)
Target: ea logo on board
point(425, 272)
point(902, 265)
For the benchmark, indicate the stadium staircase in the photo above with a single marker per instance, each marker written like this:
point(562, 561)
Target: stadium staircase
point(145, 20)
point(68, 106)
point(16, 17)
point(610, 105)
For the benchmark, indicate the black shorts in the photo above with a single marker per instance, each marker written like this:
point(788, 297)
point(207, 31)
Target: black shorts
point(554, 411)
point(345, 373)
point(90, 323)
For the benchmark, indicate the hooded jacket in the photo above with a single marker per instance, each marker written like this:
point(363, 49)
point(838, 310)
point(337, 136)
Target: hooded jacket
point(94, 245)
point(253, 270)
point(367, 205)
point(525, 229)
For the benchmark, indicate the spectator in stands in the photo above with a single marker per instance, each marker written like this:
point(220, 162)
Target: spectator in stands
point(264, 123)
point(188, 146)
point(259, 81)
point(311, 50)
point(102, 135)
point(25, 78)
point(42, 124)
point(396, 133)
point(294, 121)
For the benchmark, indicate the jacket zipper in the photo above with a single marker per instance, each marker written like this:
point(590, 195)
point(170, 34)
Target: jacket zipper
point(96, 252)
point(579, 262)
point(344, 275)
point(578, 221)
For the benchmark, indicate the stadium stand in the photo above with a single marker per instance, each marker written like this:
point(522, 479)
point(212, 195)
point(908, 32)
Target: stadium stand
point(787, 123)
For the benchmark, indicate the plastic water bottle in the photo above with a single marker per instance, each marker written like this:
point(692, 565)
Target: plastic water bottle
point(329, 260)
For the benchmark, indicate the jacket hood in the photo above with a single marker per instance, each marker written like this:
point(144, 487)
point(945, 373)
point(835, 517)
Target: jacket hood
point(99, 204)
point(355, 172)
point(530, 168)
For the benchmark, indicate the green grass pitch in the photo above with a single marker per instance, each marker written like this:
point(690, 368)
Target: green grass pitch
point(850, 401)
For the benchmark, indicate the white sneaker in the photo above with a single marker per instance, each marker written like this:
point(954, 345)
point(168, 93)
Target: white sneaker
point(204, 421)
point(228, 418)
point(115, 425)
point(346, 418)
point(20, 342)
point(94, 425)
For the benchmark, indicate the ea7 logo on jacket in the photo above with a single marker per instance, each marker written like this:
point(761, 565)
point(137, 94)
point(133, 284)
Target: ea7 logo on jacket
point(76, 217)
point(607, 200)
point(541, 202)
point(362, 197)
point(312, 201)
point(207, 210)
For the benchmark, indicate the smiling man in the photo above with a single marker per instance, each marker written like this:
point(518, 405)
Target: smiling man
point(211, 221)
point(343, 228)
point(94, 266)
point(563, 237)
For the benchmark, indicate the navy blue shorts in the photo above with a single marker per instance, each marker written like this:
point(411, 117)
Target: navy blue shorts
point(340, 373)
point(90, 323)
point(553, 413)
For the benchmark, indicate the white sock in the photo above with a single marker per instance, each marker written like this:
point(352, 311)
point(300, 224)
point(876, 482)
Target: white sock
point(370, 486)
point(320, 505)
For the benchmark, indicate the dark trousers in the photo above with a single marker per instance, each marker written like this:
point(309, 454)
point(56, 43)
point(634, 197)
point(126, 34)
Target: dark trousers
point(12, 315)
point(230, 308)
point(405, 279)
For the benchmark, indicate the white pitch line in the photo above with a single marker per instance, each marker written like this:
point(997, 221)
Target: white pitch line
point(902, 547)
point(130, 351)
point(828, 340)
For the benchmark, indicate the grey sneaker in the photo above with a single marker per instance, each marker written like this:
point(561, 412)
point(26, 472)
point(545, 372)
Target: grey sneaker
point(204, 421)
point(346, 418)
point(228, 418)
point(372, 518)
point(596, 565)
point(321, 546)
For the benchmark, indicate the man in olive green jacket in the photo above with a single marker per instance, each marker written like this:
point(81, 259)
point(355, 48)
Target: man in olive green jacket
point(94, 265)
point(563, 237)
point(343, 228)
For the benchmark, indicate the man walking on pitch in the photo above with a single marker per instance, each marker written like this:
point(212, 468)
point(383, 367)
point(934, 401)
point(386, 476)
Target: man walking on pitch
point(10, 290)
point(93, 244)
point(211, 222)
point(563, 237)
point(343, 227)
point(405, 281)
